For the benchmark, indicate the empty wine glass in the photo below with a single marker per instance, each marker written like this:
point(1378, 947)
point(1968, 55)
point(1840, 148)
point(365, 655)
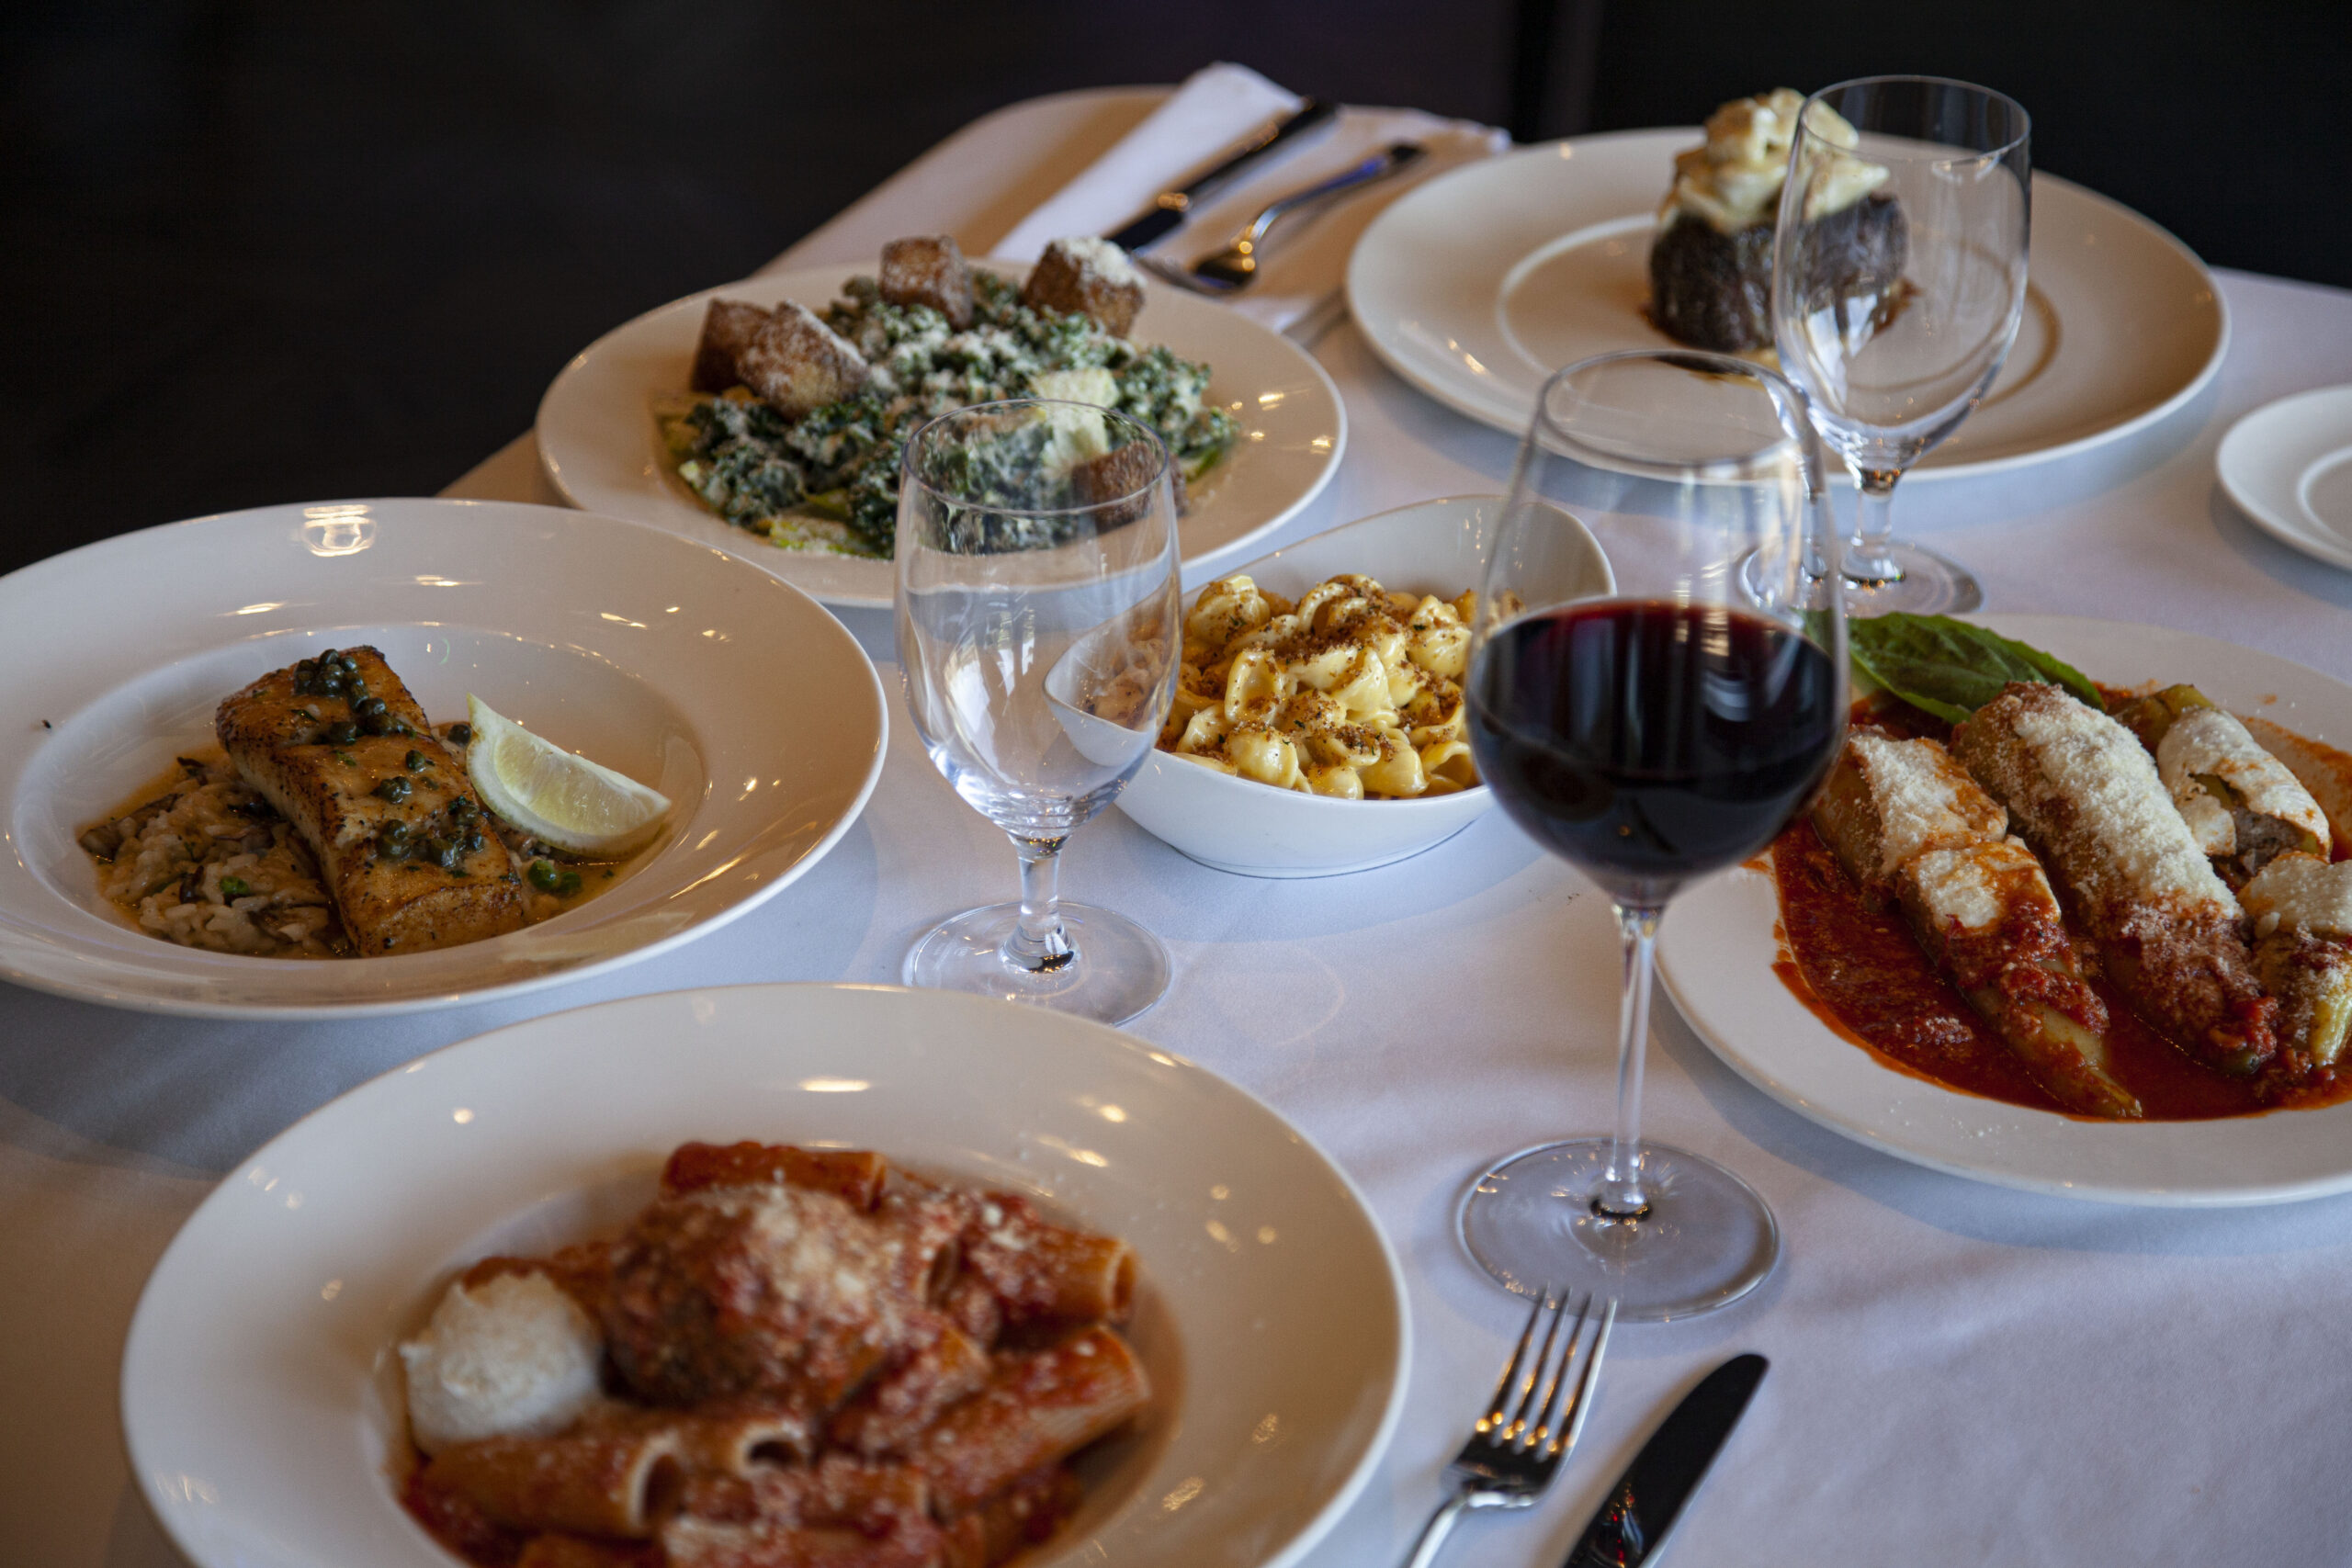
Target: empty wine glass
point(1650, 735)
point(1037, 630)
point(1898, 277)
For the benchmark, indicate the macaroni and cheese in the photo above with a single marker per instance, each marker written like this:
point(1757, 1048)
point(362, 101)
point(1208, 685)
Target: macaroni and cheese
point(1354, 691)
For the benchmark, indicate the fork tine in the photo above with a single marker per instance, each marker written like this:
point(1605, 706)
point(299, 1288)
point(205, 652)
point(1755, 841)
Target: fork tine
point(1499, 1403)
point(1581, 1404)
point(1535, 1374)
point(1542, 1435)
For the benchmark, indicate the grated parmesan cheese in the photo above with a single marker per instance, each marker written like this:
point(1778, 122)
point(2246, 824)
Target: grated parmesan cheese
point(2091, 794)
point(1925, 800)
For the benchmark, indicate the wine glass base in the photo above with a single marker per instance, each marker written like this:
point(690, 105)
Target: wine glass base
point(1707, 1240)
point(1930, 585)
point(1120, 968)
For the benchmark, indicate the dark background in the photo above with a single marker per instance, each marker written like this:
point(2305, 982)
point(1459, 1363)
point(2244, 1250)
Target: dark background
point(255, 250)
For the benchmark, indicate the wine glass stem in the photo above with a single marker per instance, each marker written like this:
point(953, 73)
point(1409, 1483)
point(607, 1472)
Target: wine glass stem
point(1620, 1196)
point(1039, 944)
point(1867, 563)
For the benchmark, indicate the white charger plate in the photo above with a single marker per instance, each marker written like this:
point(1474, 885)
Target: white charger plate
point(1482, 282)
point(1717, 950)
point(1253, 830)
point(2288, 467)
point(735, 695)
point(602, 447)
point(258, 1396)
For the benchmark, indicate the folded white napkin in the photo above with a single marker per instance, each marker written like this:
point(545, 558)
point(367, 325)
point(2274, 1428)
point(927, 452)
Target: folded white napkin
point(1306, 257)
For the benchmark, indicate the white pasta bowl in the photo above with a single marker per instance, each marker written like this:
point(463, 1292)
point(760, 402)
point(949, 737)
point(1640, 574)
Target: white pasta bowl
point(260, 1402)
point(1254, 829)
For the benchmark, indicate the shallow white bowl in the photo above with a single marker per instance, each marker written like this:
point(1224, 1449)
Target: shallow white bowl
point(261, 1415)
point(1237, 825)
point(612, 639)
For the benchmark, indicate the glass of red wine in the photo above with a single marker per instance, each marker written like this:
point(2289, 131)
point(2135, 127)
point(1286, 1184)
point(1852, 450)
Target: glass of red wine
point(1652, 734)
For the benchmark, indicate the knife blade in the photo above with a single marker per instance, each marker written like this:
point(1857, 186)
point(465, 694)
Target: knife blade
point(1646, 1500)
point(1168, 208)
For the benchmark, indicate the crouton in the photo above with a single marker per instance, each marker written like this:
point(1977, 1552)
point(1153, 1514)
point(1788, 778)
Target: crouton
point(726, 329)
point(1124, 473)
point(798, 364)
point(1092, 277)
point(929, 272)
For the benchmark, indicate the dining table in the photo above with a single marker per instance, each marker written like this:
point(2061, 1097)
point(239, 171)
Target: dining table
point(1961, 1372)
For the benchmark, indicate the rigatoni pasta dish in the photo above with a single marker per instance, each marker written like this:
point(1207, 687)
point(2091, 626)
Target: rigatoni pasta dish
point(791, 1357)
point(1354, 691)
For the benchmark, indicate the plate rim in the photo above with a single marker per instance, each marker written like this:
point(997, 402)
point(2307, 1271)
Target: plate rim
point(2029, 625)
point(833, 273)
point(780, 992)
point(2239, 488)
point(176, 1007)
point(1461, 403)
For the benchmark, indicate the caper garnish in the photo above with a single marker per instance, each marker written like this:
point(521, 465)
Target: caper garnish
point(461, 734)
point(341, 732)
point(416, 761)
point(475, 842)
point(393, 844)
point(366, 705)
point(544, 876)
point(394, 789)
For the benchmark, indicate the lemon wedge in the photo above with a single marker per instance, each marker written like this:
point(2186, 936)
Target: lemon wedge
point(570, 801)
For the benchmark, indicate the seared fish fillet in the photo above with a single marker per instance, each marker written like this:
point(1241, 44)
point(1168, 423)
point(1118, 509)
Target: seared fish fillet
point(390, 901)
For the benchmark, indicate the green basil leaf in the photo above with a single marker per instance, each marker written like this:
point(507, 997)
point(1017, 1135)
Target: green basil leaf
point(1950, 668)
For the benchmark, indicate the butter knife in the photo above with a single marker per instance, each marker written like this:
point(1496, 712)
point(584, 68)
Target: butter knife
point(1168, 209)
point(1649, 1497)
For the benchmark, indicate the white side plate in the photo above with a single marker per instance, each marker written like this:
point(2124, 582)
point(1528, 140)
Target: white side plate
point(1716, 952)
point(261, 1415)
point(1476, 286)
point(2288, 467)
point(612, 639)
point(602, 446)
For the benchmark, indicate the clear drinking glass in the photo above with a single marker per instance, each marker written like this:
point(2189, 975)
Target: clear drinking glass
point(1037, 617)
point(1898, 276)
point(1650, 737)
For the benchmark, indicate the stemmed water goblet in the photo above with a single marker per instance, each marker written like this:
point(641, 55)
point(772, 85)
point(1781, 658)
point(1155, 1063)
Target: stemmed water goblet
point(1650, 735)
point(1037, 609)
point(1898, 278)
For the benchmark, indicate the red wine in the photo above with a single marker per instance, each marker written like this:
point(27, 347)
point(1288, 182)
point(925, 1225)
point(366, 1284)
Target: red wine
point(1650, 743)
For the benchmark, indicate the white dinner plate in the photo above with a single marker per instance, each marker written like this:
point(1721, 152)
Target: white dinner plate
point(1717, 950)
point(2288, 467)
point(602, 445)
point(257, 1399)
point(736, 696)
point(1479, 284)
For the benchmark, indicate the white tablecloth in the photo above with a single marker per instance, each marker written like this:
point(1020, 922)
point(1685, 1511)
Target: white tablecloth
point(1961, 1374)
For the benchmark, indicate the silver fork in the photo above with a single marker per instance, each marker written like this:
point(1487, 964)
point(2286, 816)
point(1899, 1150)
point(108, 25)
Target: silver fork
point(1234, 268)
point(1510, 1459)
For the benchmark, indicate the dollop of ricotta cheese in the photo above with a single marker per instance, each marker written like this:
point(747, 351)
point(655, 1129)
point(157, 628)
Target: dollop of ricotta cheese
point(516, 1356)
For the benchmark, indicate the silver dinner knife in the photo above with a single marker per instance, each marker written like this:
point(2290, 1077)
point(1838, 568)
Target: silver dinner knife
point(1169, 207)
point(1643, 1506)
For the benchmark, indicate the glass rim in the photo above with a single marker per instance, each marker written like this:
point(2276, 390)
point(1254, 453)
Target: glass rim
point(1697, 361)
point(908, 476)
point(1806, 132)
